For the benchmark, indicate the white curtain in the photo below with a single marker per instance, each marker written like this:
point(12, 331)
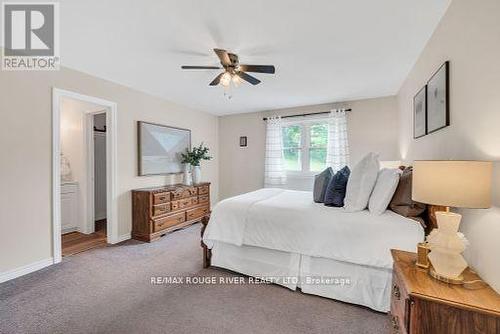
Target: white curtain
point(275, 174)
point(338, 147)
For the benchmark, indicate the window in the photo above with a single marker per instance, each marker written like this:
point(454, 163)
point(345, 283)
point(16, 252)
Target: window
point(305, 146)
point(292, 146)
point(317, 147)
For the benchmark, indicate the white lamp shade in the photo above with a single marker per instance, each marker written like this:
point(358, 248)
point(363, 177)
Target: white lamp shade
point(461, 184)
point(393, 164)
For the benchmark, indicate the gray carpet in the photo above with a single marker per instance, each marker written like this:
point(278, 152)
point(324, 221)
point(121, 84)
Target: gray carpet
point(108, 290)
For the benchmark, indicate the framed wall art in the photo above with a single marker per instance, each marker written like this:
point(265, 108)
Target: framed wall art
point(438, 106)
point(160, 148)
point(243, 141)
point(420, 113)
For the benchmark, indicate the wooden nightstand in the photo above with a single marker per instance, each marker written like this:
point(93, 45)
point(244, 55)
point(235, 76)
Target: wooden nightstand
point(423, 305)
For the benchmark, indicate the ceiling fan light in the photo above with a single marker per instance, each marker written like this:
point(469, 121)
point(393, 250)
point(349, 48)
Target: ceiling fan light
point(236, 80)
point(226, 79)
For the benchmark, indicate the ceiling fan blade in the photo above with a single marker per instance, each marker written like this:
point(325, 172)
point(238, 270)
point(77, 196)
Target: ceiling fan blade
point(223, 56)
point(201, 67)
point(269, 69)
point(248, 78)
point(216, 81)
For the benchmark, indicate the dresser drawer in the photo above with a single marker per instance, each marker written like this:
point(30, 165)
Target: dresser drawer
point(203, 198)
point(161, 209)
point(184, 192)
point(181, 204)
point(203, 190)
point(161, 198)
point(197, 213)
point(163, 223)
point(400, 306)
point(194, 200)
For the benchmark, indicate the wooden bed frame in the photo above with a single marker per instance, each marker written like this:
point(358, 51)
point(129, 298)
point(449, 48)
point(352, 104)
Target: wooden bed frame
point(429, 219)
point(207, 253)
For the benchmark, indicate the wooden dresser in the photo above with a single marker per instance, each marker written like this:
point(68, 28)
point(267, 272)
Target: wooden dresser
point(157, 211)
point(423, 305)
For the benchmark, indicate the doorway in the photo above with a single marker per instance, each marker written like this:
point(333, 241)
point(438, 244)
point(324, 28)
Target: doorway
point(83, 176)
point(84, 173)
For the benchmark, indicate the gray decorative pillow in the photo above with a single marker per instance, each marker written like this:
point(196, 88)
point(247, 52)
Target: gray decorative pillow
point(320, 183)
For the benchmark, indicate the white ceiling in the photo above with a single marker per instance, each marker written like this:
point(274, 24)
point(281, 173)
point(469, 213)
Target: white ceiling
point(323, 50)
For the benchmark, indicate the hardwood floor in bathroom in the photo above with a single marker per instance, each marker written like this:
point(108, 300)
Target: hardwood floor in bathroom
point(76, 242)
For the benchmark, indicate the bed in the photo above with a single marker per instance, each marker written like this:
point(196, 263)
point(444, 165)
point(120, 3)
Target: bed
point(284, 237)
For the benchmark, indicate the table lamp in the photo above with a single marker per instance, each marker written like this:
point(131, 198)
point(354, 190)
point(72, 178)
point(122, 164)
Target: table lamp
point(460, 184)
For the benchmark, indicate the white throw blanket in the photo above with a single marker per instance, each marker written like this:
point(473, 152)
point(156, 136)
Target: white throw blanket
point(290, 221)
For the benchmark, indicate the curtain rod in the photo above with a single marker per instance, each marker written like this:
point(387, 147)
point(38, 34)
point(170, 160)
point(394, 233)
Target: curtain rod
point(308, 114)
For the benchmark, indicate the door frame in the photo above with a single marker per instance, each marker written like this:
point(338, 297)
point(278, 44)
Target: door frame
point(111, 167)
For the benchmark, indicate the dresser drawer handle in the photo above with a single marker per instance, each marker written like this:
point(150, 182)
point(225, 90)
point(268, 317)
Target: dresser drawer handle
point(396, 292)
point(395, 323)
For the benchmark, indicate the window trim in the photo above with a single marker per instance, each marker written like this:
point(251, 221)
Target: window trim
point(305, 146)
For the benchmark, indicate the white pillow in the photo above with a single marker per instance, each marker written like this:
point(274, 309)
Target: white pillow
point(361, 182)
point(386, 185)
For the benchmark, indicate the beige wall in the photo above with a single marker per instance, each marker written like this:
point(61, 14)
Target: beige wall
point(372, 126)
point(468, 36)
point(25, 148)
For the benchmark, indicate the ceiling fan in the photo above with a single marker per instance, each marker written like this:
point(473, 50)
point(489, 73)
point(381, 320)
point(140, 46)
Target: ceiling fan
point(233, 70)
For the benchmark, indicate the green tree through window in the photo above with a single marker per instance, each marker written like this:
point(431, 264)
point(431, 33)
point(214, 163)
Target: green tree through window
point(305, 146)
point(292, 147)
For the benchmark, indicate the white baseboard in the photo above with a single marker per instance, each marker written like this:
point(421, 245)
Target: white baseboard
point(100, 216)
point(121, 238)
point(21, 271)
point(68, 230)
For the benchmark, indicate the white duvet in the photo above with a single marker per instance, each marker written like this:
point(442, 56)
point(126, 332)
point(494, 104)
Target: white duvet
point(290, 221)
